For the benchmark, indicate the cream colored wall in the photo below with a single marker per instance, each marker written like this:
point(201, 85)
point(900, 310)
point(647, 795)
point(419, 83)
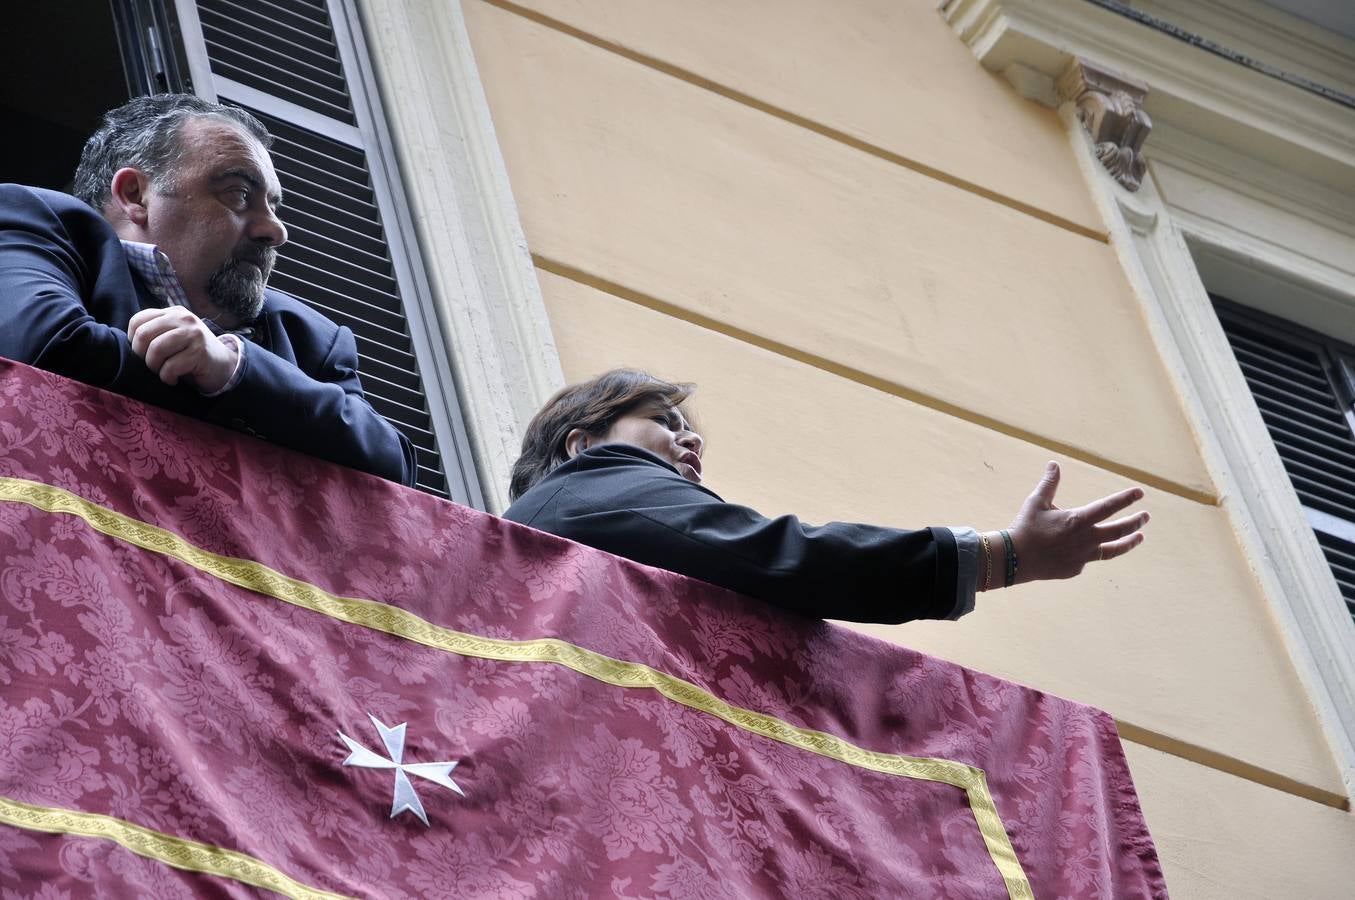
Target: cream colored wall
point(633, 176)
point(883, 269)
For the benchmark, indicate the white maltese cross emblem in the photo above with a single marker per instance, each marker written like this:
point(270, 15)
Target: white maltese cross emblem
point(394, 739)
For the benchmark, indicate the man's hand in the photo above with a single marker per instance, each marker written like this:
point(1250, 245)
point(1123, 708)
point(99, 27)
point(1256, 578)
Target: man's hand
point(176, 344)
point(1056, 543)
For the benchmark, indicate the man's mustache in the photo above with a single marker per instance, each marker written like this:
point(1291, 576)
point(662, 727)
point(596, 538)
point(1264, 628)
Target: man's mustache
point(262, 257)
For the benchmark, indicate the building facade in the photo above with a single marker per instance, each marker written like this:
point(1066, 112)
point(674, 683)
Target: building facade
point(908, 252)
point(884, 240)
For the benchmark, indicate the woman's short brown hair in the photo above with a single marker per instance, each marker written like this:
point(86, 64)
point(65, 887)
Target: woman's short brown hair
point(592, 405)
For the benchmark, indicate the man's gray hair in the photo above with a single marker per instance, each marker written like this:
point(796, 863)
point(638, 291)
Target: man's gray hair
point(144, 134)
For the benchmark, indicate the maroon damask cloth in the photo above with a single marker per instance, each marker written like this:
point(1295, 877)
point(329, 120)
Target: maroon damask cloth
point(172, 695)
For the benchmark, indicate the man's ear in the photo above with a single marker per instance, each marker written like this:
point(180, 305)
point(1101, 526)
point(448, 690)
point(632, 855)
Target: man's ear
point(576, 442)
point(128, 194)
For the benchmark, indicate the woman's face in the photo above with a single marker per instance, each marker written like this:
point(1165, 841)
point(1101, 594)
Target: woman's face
point(663, 431)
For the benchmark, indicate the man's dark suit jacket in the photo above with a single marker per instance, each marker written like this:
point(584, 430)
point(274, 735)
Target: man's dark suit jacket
point(629, 502)
point(67, 295)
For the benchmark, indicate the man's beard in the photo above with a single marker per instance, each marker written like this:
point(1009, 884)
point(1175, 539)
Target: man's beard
point(236, 288)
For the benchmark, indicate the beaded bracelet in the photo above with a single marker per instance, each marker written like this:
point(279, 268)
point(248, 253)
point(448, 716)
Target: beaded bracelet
point(1011, 558)
point(987, 562)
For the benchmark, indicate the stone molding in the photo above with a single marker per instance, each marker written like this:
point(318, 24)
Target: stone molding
point(1032, 42)
point(1110, 108)
point(491, 314)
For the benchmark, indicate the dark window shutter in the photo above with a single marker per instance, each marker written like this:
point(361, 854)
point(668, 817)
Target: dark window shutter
point(1341, 557)
point(301, 69)
point(336, 260)
point(1300, 380)
point(285, 49)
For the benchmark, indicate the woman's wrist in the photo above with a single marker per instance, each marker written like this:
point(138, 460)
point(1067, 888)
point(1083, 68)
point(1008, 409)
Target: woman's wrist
point(985, 579)
point(1010, 559)
point(1000, 561)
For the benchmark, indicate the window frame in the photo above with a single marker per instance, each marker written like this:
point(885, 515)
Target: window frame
point(1334, 357)
point(1174, 251)
point(483, 276)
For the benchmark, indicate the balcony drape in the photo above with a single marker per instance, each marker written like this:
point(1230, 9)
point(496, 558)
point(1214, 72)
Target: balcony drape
point(190, 619)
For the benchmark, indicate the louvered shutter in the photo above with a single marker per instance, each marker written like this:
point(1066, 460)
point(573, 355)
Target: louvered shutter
point(287, 50)
point(1300, 381)
point(301, 68)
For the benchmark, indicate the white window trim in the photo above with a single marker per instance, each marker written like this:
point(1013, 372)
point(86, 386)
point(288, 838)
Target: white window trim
point(1155, 241)
point(1169, 245)
point(490, 309)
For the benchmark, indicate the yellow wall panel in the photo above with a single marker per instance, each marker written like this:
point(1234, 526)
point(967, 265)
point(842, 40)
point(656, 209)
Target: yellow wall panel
point(1223, 838)
point(726, 213)
point(890, 73)
point(1174, 638)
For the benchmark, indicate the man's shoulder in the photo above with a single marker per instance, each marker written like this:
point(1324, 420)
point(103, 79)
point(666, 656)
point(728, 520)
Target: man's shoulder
point(292, 314)
point(35, 204)
point(51, 229)
point(285, 304)
point(23, 193)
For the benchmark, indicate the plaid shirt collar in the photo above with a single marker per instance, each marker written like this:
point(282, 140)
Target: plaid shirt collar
point(154, 267)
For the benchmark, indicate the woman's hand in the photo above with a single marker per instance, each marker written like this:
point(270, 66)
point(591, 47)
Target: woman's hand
point(1056, 543)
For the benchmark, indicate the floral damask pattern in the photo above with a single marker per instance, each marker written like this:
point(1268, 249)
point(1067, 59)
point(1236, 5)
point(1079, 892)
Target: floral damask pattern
point(139, 687)
point(40, 755)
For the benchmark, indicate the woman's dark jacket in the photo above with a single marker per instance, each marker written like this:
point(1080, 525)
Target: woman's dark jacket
point(629, 502)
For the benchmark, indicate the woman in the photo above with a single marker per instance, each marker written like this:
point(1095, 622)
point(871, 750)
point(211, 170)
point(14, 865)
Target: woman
point(614, 463)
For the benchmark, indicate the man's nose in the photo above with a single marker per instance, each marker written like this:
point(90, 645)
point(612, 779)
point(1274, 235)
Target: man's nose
point(691, 440)
point(268, 227)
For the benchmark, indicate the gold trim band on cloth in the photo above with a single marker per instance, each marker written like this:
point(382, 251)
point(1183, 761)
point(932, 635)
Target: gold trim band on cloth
point(166, 848)
point(392, 620)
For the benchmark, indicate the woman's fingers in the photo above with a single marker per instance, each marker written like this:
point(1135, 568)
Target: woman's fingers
point(1058, 543)
point(1112, 549)
point(1109, 506)
point(1121, 527)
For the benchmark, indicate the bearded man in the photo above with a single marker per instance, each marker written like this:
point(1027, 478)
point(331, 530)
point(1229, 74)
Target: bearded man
point(151, 282)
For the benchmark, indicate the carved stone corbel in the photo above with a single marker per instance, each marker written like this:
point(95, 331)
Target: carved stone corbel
point(1110, 107)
